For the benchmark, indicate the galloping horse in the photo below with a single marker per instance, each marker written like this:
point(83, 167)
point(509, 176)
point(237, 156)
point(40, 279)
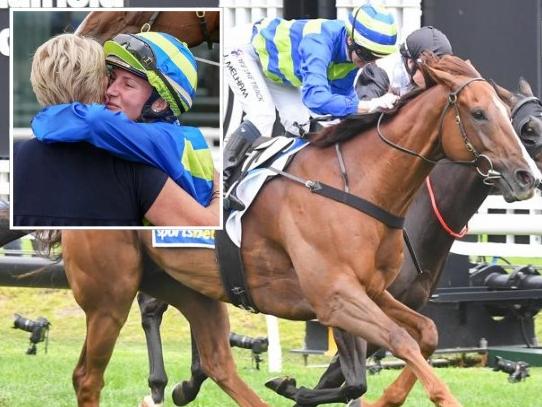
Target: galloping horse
point(431, 244)
point(296, 265)
point(192, 27)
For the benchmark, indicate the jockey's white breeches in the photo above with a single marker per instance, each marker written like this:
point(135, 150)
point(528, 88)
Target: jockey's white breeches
point(258, 95)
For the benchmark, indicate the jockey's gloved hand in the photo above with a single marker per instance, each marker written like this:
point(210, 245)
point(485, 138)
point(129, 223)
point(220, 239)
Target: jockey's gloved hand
point(384, 102)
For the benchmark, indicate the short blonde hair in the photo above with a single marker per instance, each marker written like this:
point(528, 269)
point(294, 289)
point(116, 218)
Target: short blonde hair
point(69, 68)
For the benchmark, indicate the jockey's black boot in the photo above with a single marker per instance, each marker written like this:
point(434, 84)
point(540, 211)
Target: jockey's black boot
point(238, 146)
point(235, 151)
point(232, 203)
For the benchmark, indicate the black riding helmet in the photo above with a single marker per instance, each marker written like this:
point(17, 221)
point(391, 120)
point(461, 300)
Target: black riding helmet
point(426, 38)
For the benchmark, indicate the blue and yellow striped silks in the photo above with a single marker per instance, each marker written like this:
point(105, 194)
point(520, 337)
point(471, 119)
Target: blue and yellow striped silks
point(283, 45)
point(197, 162)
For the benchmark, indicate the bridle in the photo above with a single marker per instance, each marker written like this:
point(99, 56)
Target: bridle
point(488, 176)
point(202, 25)
point(432, 198)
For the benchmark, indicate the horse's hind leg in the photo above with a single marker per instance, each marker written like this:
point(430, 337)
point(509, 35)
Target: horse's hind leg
point(209, 322)
point(424, 331)
point(151, 317)
point(152, 311)
point(104, 283)
point(210, 327)
point(186, 392)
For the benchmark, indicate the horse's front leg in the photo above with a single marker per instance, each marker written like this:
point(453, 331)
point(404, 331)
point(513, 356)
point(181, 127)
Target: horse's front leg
point(339, 299)
point(348, 365)
point(151, 310)
point(423, 330)
point(352, 352)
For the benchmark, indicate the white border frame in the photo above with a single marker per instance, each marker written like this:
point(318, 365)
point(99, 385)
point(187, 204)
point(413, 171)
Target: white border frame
point(219, 165)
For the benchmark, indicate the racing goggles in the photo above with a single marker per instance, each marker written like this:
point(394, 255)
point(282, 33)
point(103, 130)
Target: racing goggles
point(364, 53)
point(138, 48)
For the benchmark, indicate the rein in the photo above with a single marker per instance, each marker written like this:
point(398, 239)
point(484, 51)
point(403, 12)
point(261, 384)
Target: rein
point(202, 25)
point(439, 216)
point(204, 30)
point(489, 176)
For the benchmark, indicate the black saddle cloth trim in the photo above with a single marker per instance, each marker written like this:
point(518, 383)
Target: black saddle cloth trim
point(232, 272)
point(389, 219)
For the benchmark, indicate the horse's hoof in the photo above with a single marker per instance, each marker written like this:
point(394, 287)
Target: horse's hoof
point(180, 395)
point(281, 385)
point(355, 403)
point(149, 402)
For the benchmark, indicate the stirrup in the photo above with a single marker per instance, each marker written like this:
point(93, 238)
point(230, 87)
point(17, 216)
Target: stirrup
point(232, 203)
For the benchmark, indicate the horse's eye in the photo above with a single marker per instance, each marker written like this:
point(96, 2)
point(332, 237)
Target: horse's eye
point(528, 130)
point(478, 114)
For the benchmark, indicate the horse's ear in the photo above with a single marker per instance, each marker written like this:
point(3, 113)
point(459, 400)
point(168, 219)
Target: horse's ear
point(505, 95)
point(524, 87)
point(428, 62)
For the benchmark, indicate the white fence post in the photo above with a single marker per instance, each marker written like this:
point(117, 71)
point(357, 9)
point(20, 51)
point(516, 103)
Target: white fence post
point(274, 351)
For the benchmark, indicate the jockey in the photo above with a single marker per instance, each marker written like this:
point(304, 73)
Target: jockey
point(397, 74)
point(302, 68)
point(135, 62)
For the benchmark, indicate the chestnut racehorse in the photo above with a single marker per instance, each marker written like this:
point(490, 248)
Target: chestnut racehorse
point(302, 258)
point(431, 244)
point(192, 27)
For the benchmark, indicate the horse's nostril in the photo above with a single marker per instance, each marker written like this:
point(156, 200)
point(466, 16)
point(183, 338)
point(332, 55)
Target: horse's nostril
point(525, 178)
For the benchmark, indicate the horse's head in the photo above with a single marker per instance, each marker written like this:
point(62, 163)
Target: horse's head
point(475, 126)
point(526, 117)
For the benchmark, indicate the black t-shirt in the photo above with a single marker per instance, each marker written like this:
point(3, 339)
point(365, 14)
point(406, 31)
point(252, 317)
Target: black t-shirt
point(76, 184)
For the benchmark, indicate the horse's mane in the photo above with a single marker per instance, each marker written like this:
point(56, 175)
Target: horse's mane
point(355, 124)
point(448, 63)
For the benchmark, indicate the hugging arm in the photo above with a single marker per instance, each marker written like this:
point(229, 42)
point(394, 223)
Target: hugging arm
point(175, 207)
point(156, 144)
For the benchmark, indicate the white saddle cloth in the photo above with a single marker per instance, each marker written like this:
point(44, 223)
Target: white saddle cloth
point(250, 186)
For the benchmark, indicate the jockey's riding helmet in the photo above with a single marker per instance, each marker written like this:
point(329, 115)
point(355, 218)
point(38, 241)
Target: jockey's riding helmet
point(426, 38)
point(166, 63)
point(372, 29)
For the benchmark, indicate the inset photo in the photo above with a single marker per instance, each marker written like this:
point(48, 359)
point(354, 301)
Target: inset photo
point(115, 118)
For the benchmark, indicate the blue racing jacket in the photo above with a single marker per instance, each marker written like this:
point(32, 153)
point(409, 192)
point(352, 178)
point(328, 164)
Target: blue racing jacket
point(311, 55)
point(179, 151)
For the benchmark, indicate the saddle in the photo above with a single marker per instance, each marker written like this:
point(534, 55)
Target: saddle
point(277, 151)
point(263, 151)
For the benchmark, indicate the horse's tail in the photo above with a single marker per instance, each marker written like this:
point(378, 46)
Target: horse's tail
point(50, 243)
